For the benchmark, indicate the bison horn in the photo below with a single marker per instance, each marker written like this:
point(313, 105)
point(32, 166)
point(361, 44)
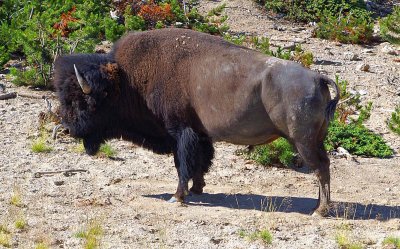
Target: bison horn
point(82, 82)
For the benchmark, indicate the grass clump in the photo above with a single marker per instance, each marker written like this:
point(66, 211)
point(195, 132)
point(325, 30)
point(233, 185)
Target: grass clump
point(91, 235)
point(344, 242)
point(16, 198)
point(40, 145)
point(41, 245)
point(5, 239)
point(393, 242)
point(107, 150)
point(20, 223)
point(279, 151)
point(394, 121)
point(263, 235)
point(390, 26)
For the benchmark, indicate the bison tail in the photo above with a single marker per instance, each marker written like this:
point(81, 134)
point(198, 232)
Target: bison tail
point(331, 107)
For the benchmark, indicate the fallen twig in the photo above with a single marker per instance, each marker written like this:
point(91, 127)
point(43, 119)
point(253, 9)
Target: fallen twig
point(8, 96)
point(69, 172)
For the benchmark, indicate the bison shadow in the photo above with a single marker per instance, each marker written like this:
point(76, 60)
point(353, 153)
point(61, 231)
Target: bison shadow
point(288, 204)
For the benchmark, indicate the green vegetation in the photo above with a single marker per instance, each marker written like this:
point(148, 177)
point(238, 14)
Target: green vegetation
point(394, 242)
point(40, 145)
point(390, 26)
point(345, 21)
point(394, 121)
point(107, 150)
point(345, 243)
point(5, 239)
point(280, 151)
point(16, 198)
point(20, 223)
point(351, 133)
point(91, 235)
point(41, 245)
point(40, 31)
point(263, 235)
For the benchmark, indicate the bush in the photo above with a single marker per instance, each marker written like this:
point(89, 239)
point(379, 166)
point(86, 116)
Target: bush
point(280, 151)
point(345, 21)
point(394, 121)
point(43, 30)
point(390, 26)
point(350, 28)
point(350, 133)
point(357, 140)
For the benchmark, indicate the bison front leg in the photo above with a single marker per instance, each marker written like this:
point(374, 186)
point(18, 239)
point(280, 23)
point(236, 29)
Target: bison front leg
point(184, 157)
point(316, 158)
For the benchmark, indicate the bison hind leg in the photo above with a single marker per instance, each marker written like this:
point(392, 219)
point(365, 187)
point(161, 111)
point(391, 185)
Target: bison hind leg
point(315, 156)
point(204, 156)
point(187, 144)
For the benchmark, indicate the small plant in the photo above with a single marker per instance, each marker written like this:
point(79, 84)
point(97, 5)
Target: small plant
point(394, 242)
point(390, 26)
point(107, 150)
point(79, 147)
point(280, 151)
point(91, 236)
point(345, 243)
point(264, 235)
point(394, 121)
point(217, 10)
point(40, 145)
point(273, 204)
point(41, 245)
point(235, 39)
point(16, 198)
point(305, 58)
point(5, 239)
point(20, 223)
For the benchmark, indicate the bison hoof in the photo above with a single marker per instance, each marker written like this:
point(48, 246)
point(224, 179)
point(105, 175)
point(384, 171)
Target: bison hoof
point(196, 191)
point(175, 200)
point(321, 212)
point(172, 200)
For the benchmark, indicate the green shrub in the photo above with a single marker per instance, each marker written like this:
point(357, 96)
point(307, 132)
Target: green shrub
point(350, 28)
point(390, 26)
point(392, 241)
point(394, 121)
point(351, 133)
point(345, 21)
point(279, 151)
point(356, 139)
point(264, 235)
point(42, 30)
point(107, 150)
point(313, 10)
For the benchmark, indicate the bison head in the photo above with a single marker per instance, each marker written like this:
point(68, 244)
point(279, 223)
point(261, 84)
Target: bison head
point(88, 87)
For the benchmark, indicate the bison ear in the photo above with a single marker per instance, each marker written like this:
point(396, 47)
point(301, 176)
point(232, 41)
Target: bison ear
point(111, 70)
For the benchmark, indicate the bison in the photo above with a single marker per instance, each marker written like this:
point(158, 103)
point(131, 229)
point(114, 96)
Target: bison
point(178, 91)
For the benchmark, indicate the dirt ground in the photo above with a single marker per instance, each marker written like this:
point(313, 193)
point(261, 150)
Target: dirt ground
point(126, 195)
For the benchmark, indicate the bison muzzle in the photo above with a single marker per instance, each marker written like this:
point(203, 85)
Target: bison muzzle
point(178, 91)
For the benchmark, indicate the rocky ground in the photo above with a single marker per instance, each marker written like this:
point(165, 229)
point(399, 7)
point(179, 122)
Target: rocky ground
point(126, 195)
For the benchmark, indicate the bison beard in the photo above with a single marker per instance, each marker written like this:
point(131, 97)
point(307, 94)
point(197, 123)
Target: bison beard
point(177, 91)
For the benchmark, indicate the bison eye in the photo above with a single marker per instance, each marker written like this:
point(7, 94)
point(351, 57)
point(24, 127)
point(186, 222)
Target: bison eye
point(105, 94)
